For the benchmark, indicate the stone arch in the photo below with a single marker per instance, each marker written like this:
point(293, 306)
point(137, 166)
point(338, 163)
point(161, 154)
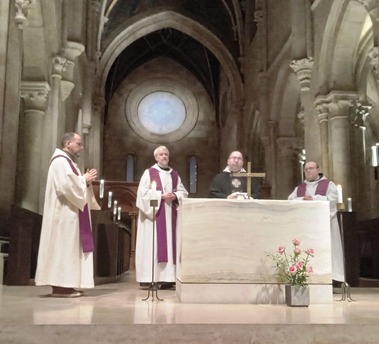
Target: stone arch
point(340, 44)
point(178, 22)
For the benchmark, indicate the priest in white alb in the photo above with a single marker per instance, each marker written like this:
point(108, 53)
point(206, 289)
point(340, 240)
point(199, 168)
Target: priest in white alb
point(317, 187)
point(159, 182)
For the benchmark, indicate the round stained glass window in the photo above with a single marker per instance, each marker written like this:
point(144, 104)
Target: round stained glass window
point(161, 112)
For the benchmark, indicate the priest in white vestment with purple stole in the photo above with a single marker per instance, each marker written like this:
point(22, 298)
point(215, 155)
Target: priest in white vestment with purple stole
point(169, 191)
point(65, 256)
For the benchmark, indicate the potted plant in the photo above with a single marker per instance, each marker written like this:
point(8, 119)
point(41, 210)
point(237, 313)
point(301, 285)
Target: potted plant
point(293, 269)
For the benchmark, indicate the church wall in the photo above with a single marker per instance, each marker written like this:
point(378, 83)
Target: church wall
point(278, 27)
point(120, 139)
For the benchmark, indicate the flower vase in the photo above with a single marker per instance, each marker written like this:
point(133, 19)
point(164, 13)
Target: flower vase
point(297, 296)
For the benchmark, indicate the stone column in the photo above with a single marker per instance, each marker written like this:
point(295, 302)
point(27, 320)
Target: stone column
point(35, 95)
point(13, 16)
point(70, 52)
point(95, 145)
point(286, 165)
point(51, 128)
point(59, 67)
point(323, 119)
point(339, 131)
point(303, 69)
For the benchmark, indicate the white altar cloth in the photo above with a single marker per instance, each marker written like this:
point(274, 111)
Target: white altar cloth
point(222, 248)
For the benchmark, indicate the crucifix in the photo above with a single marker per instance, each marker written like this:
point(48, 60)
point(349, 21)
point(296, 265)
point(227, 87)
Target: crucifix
point(249, 175)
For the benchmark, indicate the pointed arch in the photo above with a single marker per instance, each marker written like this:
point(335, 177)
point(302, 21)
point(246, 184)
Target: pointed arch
point(178, 22)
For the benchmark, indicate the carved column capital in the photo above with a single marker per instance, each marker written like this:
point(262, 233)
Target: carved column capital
point(22, 8)
point(303, 69)
point(35, 95)
point(59, 66)
point(322, 112)
point(359, 113)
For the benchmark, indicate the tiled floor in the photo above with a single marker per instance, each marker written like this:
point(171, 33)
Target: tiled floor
point(121, 304)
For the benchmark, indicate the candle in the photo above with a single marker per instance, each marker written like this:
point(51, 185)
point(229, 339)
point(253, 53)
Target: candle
point(115, 208)
point(339, 190)
point(119, 213)
point(153, 190)
point(349, 205)
point(374, 155)
point(109, 199)
point(102, 188)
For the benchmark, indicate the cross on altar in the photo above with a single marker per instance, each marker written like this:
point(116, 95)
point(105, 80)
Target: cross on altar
point(249, 175)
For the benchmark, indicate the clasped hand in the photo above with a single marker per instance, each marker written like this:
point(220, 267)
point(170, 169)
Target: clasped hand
point(169, 197)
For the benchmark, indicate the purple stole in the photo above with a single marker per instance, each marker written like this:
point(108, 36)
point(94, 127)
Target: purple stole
point(322, 186)
point(85, 230)
point(161, 218)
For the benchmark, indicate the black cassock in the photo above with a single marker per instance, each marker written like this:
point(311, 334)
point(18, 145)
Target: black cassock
point(224, 184)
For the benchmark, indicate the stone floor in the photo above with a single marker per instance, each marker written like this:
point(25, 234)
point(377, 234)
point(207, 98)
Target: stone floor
point(116, 313)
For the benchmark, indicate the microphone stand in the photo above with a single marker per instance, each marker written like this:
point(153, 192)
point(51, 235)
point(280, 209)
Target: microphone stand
point(346, 294)
point(153, 288)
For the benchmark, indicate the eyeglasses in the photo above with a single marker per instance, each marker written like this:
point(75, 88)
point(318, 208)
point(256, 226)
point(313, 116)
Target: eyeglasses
point(310, 169)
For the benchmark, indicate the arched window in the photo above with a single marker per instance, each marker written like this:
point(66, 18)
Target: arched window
point(130, 168)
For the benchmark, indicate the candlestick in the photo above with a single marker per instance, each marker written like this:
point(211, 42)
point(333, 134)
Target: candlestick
point(349, 205)
point(119, 213)
point(115, 208)
point(109, 199)
point(153, 191)
point(374, 155)
point(339, 190)
point(102, 188)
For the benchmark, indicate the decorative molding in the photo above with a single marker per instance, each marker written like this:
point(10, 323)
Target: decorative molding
point(359, 114)
point(73, 50)
point(35, 95)
point(303, 69)
point(59, 65)
point(22, 8)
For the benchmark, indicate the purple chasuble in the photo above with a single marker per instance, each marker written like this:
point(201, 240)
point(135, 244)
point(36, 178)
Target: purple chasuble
point(160, 218)
point(85, 230)
point(322, 186)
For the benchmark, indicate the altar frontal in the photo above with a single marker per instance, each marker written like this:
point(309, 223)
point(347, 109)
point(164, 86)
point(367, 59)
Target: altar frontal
point(222, 248)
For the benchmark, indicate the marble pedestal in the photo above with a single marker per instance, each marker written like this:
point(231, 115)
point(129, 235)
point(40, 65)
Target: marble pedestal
point(222, 248)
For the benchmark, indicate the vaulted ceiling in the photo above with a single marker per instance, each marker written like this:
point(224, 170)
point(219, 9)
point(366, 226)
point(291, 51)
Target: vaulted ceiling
point(224, 18)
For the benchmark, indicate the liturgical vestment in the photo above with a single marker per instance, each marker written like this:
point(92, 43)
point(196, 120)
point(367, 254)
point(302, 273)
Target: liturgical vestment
point(164, 271)
point(61, 261)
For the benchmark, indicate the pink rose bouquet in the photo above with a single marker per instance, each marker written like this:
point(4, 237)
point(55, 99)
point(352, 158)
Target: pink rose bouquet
point(292, 268)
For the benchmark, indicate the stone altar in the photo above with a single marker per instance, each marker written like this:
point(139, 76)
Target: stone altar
point(222, 248)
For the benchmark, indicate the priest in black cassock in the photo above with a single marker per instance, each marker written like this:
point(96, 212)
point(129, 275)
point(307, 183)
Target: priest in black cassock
point(225, 185)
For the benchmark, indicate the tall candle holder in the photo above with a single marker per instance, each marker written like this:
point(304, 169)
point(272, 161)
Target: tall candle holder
point(153, 288)
point(345, 287)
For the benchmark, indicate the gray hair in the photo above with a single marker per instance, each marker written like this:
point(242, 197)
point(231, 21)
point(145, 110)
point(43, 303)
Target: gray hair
point(156, 150)
point(67, 137)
